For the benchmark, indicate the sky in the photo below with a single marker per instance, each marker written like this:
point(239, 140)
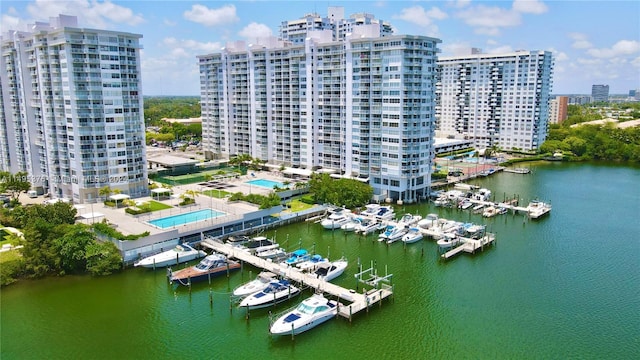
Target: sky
point(593, 42)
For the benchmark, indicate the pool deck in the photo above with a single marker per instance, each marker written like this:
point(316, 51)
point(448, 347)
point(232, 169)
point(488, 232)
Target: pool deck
point(128, 224)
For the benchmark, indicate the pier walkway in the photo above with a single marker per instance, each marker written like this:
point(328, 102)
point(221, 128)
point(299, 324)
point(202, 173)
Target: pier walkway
point(357, 301)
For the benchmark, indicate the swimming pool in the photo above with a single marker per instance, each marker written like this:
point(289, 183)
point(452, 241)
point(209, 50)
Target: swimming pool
point(269, 184)
point(186, 218)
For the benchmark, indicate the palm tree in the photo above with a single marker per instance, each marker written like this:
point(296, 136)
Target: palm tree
point(105, 192)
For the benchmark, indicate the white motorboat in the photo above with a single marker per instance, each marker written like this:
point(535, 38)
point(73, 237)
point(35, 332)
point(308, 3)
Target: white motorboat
point(271, 253)
point(478, 208)
point(351, 225)
point(259, 244)
point(537, 209)
point(409, 220)
point(482, 195)
point(276, 292)
point(380, 212)
point(392, 233)
point(307, 315)
point(413, 235)
point(465, 204)
point(259, 283)
point(312, 263)
point(448, 240)
point(328, 271)
point(179, 254)
point(336, 219)
point(428, 221)
point(368, 226)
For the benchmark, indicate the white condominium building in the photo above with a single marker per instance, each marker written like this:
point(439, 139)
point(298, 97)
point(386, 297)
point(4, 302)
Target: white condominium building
point(72, 111)
point(295, 31)
point(495, 99)
point(359, 107)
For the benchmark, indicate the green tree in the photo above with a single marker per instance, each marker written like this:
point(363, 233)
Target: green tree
point(72, 247)
point(14, 184)
point(103, 258)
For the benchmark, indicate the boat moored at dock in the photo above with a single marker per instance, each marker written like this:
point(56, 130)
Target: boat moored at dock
point(537, 209)
point(259, 283)
point(307, 315)
point(330, 270)
point(276, 292)
point(212, 265)
point(179, 254)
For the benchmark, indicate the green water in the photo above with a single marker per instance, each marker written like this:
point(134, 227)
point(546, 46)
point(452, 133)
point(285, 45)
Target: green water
point(565, 286)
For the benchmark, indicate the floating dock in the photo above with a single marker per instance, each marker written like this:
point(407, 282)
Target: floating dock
point(470, 245)
point(355, 302)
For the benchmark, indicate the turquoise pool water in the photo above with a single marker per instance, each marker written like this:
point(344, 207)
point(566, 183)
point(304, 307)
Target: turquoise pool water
point(185, 218)
point(269, 184)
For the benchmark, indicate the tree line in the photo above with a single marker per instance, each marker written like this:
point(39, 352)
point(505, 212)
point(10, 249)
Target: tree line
point(54, 245)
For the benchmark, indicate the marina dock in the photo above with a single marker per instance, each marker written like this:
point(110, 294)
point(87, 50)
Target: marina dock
point(470, 245)
point(355, 302)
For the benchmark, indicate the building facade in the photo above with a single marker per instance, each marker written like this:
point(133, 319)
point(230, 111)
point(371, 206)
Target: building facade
point(558, 109)
point(296, 31)
point(360, 107)
point(495, 99)
point(72, 110)
point(600, 93)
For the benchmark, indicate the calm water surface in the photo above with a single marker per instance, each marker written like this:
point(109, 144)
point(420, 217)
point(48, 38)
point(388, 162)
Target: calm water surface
point(565, 286)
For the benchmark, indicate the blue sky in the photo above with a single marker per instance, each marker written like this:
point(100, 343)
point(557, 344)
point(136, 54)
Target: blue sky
point(594, 42)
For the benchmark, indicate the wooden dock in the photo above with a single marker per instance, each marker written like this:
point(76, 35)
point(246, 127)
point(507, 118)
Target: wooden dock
point(470, 245)
point(354, 301)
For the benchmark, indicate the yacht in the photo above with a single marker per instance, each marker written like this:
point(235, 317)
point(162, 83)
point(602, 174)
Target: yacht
point(276, 292)
point(312, 263)
point(413, 235)
point(367, 226)
point(307, 315)
point(328, 271)
point(212, 265)
point(490, 211)
point(448, 240)
point(392, 233)
point(336, 219)
point(179, 254)
point(259, 244)
point(428, 221)
point(259, 283)
point(537, 209)
point(351, 225)
point(296, 257)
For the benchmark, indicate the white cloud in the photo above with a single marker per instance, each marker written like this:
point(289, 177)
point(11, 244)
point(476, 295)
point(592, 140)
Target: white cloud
point(90, 13)
point(458, 3)
point(636, 62)
point(621, 48)
point(211, 17)
point(169, 23)
point(530, 7)
point(489, 20)
point(254, 31)
point(196, 47)
point(500, 49)
point(11, 23)
point(419, 16)
point(580, 41)
point(456, 49)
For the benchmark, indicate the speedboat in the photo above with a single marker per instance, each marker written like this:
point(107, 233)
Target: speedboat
point(368, 226)
point(409, 219)
point(351, 225)
point(392, 233)
point(212, 265)
point(489, 211)
point(259, 283)
point(448, 240)
point(482, 195)
point(307, 315)
point(336, 219)
point(179, 254)
point(296, 257)
point(413, 235)
point(271, 253)
point(276, 292)
point(385, 213)
point(259, 244)
point(328, 271)
point(465, 204)
point(312, 263)
point(428, 221)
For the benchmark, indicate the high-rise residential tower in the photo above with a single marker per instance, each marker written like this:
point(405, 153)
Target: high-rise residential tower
point(558, 109)
point(495, 99)
point(362, 106)
point(72, 111)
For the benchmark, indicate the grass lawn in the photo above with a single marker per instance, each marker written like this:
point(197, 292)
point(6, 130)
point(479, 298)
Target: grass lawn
point(220, 194)
point(297, 205)
point(155, 206)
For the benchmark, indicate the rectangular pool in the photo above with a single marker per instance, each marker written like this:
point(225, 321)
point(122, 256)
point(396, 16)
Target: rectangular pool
point(186, 218)
point(269, 184)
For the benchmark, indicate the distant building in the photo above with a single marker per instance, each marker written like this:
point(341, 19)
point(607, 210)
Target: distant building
point(296, 31)
point(579, 99)
point(558, 109)
point(600, 93)
point(495, 99)
point(72, 111)
point(188, 121)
